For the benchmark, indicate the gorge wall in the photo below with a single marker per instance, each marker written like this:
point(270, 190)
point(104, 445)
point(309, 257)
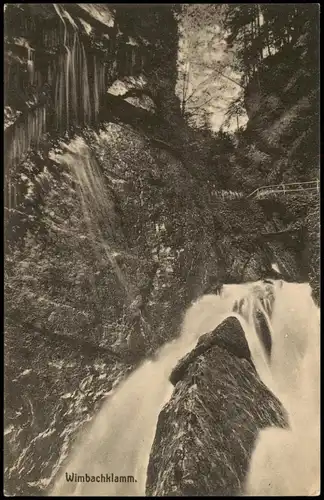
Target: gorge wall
point(109, 234)
point(282, 104)
point(280, 143)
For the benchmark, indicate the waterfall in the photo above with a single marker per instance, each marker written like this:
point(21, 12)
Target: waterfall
point(25, 133)
point(287, 462)
point(77, 80)
point(119, 439)
point(77, 98)
point(96, 88)
point(85, 85)
point(97, 206)
point(74, 92)
point(30, 65)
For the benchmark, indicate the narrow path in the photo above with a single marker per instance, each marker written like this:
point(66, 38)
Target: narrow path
point(284, 189)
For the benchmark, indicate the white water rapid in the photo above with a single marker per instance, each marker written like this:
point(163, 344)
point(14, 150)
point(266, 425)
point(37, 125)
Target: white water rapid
point(120, 437)
point(287, 462)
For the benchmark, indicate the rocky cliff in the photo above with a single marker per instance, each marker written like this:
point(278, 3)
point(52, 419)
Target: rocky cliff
point(110, 234)
point(282, 105)
point(281, 142)
point(281, 100)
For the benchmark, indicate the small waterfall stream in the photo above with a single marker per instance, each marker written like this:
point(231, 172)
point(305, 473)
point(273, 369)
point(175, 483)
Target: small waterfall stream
point(76, 97)
point(119, 439)
point(97, 205)
point(64, 92)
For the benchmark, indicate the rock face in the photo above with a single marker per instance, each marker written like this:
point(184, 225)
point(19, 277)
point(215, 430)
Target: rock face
point(281, 142)
point(52, 388)
point(122, 284)
point(206, 433)
point(109, 235)
point(228, 336)
point(281, 101)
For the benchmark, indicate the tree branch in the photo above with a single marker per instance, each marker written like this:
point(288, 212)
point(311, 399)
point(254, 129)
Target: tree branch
point(197, 88)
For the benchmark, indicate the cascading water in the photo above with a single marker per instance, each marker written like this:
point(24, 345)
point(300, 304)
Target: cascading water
point(72, 91)
point(26, 132)
point(96, 203)
point(77, 80)
point(120, 437)
point(77, 96)
point(287, 462)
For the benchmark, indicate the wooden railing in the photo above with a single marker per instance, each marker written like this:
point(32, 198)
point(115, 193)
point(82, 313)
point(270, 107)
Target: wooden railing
point(285, 188)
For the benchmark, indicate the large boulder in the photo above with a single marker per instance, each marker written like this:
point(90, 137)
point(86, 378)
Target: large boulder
point(206, 434)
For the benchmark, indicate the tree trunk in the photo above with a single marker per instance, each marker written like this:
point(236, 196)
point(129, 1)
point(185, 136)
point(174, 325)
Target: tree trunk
point(267, 36)
point(259, 32)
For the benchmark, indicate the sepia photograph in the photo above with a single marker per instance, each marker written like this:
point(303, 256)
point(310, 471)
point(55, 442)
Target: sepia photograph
point(161, 249)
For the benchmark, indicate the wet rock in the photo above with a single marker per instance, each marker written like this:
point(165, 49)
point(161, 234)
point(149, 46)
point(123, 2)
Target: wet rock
point(121, 87)
point(147, 258)
point(263, 331)
point(229, 335)
point(156, 235)
point(53, 389)
point(144, 102)
point(206, 433)
point(213, 286)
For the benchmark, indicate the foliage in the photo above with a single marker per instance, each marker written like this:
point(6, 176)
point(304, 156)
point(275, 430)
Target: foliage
point(259, 31)
point(275, 49)
point(206, 82)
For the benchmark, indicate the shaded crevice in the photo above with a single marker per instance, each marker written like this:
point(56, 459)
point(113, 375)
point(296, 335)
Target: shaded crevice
point(84, 347)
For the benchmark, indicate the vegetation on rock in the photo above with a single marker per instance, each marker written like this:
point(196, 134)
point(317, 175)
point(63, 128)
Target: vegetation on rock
point(118, 215)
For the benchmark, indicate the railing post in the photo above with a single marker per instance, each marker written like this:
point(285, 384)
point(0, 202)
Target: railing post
point(282, 186)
